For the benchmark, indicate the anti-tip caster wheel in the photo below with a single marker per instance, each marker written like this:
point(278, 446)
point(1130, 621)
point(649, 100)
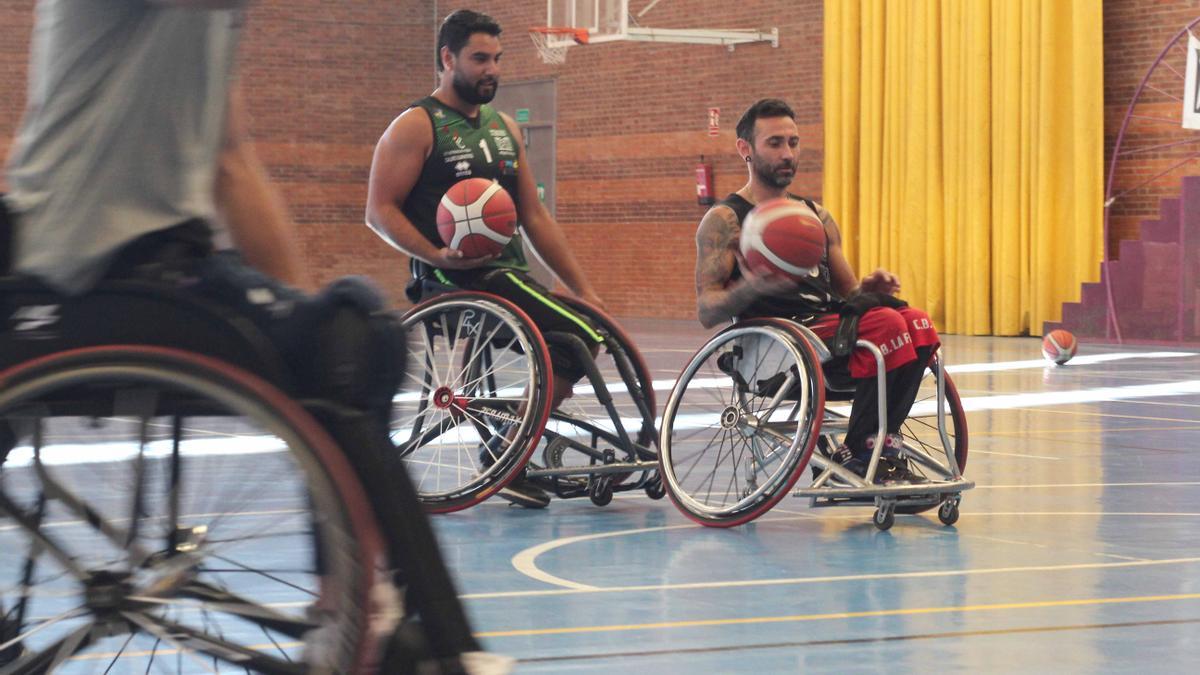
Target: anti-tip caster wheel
point(654, 488)
point(948, 512)
point(601, 490)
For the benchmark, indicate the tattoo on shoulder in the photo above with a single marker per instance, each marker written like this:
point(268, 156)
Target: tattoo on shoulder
point(715, 240)
point(719, 229)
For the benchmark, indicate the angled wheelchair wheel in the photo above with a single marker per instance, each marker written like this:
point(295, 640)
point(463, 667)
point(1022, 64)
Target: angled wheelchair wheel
point(162, 511)
point(741, 422)
point(923, 443)
point(474, 401)
point(583, 427)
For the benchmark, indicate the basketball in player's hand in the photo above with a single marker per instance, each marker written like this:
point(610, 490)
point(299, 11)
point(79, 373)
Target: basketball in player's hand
point(783, 238)
point(476, 216)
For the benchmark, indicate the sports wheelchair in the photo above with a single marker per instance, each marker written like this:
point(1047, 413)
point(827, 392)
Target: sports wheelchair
point(475, 404)
point(163, 507)
point(749, 413)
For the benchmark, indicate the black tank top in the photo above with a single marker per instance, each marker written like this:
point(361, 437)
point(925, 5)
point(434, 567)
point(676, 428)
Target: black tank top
point(815, 296)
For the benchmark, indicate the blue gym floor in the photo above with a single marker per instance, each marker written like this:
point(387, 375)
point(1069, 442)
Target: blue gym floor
point(1079, 551)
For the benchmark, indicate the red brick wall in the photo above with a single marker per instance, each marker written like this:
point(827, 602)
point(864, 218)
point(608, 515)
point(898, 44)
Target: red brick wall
point(325, 78)
point(15, 21)
point(1135, 32)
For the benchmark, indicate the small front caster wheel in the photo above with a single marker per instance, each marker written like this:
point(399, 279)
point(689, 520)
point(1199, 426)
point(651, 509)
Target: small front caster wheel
point(948, 512)
point(884, 517)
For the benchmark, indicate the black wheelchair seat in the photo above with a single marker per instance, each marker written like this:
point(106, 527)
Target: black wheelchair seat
point(37, 321)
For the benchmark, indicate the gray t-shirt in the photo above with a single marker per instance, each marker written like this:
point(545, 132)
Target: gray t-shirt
point(122, 130)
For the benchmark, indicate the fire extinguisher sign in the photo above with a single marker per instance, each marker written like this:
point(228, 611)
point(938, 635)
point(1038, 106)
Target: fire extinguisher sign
point(714, 122)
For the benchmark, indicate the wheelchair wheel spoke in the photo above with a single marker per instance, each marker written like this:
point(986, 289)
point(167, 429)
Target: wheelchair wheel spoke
point(40, 540)
point(765, 456)
point(163, 634)
point(200, 595)
point(421, 383)
point(491, 371)
point(51, 657)
point(724, 450)
point(724, 434)
point(144, 514)
point(118, 654)
point(37, 626)
point(736, 455)
point(427, 356)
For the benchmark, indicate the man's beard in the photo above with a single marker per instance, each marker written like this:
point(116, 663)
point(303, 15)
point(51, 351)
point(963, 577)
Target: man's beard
point(768, 175)
point(471, 93)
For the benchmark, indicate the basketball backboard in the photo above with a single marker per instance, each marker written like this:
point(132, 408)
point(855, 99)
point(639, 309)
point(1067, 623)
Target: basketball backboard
point(572, 22)
point(604, 20)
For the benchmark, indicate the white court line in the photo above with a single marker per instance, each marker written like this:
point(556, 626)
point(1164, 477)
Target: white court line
point(975, 451)
point(983, 367)
point(186, 516)
point(1009, 401)
point(525, 562)
point(110, 452)
point(1077, 361)
point(82, 453)
point(579, 589)
point(1086, 485)
point(1052, 398)
point(1033, 486)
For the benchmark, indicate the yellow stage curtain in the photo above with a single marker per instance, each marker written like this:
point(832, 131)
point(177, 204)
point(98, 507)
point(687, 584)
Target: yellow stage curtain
point(964, 151)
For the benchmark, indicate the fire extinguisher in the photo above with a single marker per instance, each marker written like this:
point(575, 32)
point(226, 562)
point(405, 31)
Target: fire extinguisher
point(705, 194)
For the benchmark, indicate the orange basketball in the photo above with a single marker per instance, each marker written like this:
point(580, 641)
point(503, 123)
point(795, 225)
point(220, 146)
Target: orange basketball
point(476, 216)
point(1059, 346)
point(783, 237)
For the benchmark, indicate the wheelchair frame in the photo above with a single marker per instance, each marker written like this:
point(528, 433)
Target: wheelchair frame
point(833, 485)
point(610, 454)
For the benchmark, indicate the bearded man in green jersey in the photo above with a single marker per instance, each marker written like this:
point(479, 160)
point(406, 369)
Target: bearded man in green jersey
point(454, 134)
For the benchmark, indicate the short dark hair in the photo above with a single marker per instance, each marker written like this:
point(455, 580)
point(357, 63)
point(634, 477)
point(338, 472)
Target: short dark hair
point(762, 108)
point(457, 29)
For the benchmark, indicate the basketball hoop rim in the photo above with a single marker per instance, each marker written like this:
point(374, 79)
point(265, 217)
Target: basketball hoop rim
point(579, 35)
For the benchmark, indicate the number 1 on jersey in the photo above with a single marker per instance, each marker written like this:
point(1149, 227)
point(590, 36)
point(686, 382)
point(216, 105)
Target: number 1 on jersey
point(487, 154)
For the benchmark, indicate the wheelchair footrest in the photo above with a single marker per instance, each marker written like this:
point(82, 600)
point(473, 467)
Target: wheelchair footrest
point(593, 469)
point(868, 494)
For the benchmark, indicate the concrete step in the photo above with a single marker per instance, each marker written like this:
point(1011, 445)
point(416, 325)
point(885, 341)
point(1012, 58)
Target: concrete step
point(1160, 230)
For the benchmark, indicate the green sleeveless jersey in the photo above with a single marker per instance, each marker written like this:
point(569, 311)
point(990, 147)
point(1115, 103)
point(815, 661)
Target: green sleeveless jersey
point(464, 148)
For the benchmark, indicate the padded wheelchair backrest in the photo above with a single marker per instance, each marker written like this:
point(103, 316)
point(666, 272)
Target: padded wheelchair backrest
point(38, 321)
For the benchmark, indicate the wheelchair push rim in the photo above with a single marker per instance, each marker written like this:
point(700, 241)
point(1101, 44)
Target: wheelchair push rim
point(760, 392)
point(475, 399)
